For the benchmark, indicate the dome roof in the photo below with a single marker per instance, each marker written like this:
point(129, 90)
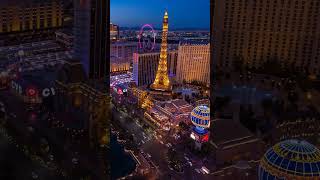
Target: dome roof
point(290, 159)
point(200, 116)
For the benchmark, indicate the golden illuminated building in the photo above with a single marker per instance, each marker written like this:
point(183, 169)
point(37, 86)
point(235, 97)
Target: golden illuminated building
point(114, 32)
point(162, 81)
point(259, 30)
point(194, 63)
point(29, 15)
point(145, 66)
point(145, 101)
point(119, 67)
point(118, 64)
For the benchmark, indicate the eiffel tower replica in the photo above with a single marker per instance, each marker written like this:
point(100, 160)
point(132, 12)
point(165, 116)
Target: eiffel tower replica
point(161, 85)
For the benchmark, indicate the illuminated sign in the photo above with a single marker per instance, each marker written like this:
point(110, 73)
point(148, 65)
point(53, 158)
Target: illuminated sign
point(16, 87)
point(205, 138)
point(199, 138)
point(194, 136)
point(32, 91)
point(119, 91)
point(48, 91)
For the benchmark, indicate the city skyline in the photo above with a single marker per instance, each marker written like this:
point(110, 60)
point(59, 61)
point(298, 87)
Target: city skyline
point(83, 96)
point(179, 13)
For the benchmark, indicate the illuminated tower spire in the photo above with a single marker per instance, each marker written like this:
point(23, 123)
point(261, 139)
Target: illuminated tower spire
point(162, 81)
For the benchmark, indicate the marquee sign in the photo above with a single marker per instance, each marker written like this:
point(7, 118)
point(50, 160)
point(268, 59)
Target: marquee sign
point(32, 91)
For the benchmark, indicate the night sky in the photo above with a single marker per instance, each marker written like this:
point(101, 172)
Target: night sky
point(182, 13)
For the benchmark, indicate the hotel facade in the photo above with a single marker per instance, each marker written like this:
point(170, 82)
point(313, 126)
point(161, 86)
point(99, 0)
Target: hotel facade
point(29, 21)
point(193, 63)
point(260, 30)
point(145, 66)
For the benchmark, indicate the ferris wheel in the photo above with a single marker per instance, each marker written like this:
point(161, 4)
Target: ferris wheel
point(147, 38)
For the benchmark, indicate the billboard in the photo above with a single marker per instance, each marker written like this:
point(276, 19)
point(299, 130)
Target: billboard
point(32, 90)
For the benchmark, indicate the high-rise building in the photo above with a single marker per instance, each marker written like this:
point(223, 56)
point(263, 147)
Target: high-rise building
point(194, 62)
point(118, 65)
point(90, 31)
point(259, 30)
point(77, 98)
point(30, 15)
point(145, 66)
point(162, 82)
point(28, 19)
point(124, 50)
point(114, 32)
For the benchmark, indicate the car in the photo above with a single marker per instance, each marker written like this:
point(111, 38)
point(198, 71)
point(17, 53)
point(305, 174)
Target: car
point(205, 170)
point(34, 175)
point(74, 160)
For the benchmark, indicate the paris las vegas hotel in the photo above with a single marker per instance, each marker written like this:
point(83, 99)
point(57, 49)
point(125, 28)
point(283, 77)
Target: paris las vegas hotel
point(258, 30)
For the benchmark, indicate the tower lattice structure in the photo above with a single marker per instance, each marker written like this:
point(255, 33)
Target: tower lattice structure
point(162, 81)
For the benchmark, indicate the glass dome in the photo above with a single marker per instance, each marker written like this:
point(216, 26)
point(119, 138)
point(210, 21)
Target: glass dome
point(290, 159)
point(200, 117)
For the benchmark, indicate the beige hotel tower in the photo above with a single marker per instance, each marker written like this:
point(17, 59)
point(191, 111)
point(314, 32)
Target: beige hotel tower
point(258, 30)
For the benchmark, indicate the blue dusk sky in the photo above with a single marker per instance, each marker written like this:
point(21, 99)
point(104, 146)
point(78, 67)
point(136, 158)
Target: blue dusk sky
point(182, 13)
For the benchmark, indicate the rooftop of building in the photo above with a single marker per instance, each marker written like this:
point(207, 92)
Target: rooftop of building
point(195, 42)
point(125, 43)
point(4, 3)
point(115, 59)
point(73, 72)
point(66, 31)
point(74, 120)
point(42, 78)
point(178, 103)
point(155, 52)
point(203, 102)
point(228, 133)
point(178, 106)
